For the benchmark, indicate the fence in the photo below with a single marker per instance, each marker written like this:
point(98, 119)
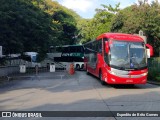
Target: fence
point(32, 73)
point(5, 71)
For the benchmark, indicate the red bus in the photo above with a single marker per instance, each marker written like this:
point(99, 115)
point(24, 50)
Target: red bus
point(118, 58)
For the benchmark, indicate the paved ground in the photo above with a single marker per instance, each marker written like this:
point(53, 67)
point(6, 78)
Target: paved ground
point(80, 92)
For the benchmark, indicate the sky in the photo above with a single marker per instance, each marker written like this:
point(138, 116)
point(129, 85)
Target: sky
point(86, 8)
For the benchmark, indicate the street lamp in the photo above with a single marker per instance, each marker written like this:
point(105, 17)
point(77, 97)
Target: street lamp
point(140, 33)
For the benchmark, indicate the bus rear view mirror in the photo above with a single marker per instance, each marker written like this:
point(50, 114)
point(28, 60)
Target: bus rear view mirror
point(149, 50)
point(107, 46)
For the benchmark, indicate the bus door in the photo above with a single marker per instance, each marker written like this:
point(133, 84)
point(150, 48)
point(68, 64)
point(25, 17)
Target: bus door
point(99, 56)
point(94, 60)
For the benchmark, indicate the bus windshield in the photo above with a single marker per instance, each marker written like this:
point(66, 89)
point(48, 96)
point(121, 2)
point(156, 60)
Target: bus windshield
point(127, 55)
point(73, 51)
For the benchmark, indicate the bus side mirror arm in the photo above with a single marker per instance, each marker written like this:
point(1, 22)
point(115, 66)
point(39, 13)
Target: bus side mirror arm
point(149, 50)
point(106, 46)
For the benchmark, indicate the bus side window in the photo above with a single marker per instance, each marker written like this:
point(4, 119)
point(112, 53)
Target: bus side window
point(100, 46)
point(97, 46)
point(106, 56)
point(93, 44)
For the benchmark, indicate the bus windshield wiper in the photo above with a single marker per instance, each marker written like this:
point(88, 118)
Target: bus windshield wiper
point(134, 61)
point(122, 68)
point(130, 69)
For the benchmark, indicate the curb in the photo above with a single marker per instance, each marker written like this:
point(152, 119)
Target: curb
point(153, 82)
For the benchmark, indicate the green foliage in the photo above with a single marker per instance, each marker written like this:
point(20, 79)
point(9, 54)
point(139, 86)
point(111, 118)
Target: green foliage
point(142, 16)
point(101, 23)
point(68, 25)
point(154, 71)
point(153, 74)
point(158, 79)
point(34, 25)
point(84, 28)
point(111, 8)
point(2, 61)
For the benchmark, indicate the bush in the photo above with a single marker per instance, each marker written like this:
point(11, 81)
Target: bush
point(2, 61)
point(154, 69)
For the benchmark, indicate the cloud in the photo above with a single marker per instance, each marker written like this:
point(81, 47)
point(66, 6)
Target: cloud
point(123, 3)
point(78, 5)
point(86, 8)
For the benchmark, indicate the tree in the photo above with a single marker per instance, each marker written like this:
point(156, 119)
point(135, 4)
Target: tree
point(101, 23)
point(34, 25)
point(142, 16)
point(68, 26)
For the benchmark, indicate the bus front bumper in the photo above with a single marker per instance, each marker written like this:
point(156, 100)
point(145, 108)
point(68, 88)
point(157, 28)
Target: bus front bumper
point(125, 79)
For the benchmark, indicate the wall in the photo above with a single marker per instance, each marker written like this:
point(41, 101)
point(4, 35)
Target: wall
point(4, 71)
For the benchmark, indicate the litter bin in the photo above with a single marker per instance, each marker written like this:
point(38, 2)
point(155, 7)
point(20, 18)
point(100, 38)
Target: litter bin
point(22, 68)
point(52, 67)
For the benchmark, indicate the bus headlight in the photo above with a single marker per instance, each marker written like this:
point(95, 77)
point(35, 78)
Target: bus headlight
point(113, 73)
point(144, 74)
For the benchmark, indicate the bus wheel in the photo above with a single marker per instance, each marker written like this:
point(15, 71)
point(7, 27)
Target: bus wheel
point(131, 85)
point(87, 71)
point(100, 77)
point(77, 67)
point(82, 67)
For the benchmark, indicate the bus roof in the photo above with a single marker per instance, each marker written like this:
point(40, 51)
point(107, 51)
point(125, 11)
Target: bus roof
point(30, 53)
point(69, 45)
point(121, 36)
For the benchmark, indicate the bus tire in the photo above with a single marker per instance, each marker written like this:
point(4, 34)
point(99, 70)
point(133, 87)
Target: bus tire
point(100, 77)
point(87, 71)
point(131, 85)
point(82, 66)
point(77, 67)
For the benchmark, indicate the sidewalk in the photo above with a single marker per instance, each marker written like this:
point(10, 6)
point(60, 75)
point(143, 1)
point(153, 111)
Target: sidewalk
point(153, 82)
point(39, 76)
